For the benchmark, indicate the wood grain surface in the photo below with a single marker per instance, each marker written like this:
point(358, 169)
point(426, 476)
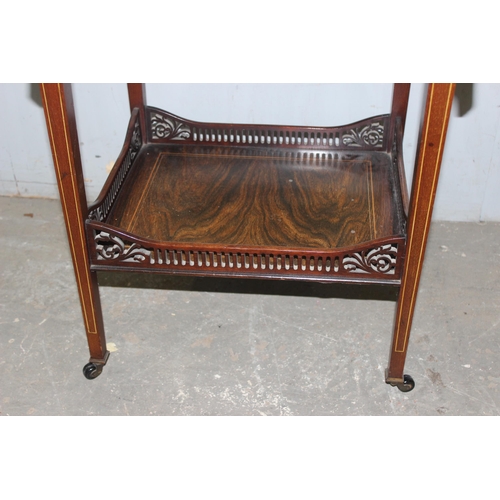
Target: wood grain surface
point(248, 197)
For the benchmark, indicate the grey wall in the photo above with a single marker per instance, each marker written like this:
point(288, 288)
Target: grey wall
point(471, 164)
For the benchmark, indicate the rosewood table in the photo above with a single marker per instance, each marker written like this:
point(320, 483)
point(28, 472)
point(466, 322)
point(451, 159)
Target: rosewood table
point(327, 204)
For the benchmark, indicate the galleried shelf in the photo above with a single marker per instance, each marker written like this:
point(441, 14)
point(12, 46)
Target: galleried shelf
point(327, 204)
point(261, 201)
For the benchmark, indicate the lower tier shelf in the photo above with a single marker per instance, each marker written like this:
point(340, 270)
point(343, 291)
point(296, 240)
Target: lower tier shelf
point(241, 197)
point(255, 212)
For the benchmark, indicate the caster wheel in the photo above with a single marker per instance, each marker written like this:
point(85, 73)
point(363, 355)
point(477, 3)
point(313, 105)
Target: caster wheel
point(408, 384)
point(92, 370)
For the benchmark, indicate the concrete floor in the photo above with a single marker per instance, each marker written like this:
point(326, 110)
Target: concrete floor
point(188, 346)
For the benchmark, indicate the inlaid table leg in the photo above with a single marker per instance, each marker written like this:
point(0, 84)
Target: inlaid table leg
point(61, 127)
point(425, 178)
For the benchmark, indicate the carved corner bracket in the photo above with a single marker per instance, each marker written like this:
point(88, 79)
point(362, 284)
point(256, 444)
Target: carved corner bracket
point(369, 135)
point(380, 260)
point(111, 247)
point(166, 127)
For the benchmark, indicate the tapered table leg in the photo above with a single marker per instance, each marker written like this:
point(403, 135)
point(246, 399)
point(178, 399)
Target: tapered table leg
point(61, 127)
point(425, 178)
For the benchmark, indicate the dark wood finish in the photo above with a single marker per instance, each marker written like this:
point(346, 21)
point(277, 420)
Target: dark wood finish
point(437, 113)
point(370, 134)
point(399, 108)
point(100, 209)
point(327, 204)
point(246, 198)
point(61, 126)
point(137, 100)
point(251, 200)
point(378, 262)
point(136, 95)
point(397, 157)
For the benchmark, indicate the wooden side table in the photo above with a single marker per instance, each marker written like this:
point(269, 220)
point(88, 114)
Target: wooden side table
point(326, 204)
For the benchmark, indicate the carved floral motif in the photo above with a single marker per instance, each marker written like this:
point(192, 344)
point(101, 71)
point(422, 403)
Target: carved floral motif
point(381, 260)
point(111, 247)
point(369, 135)
point(163, 127)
